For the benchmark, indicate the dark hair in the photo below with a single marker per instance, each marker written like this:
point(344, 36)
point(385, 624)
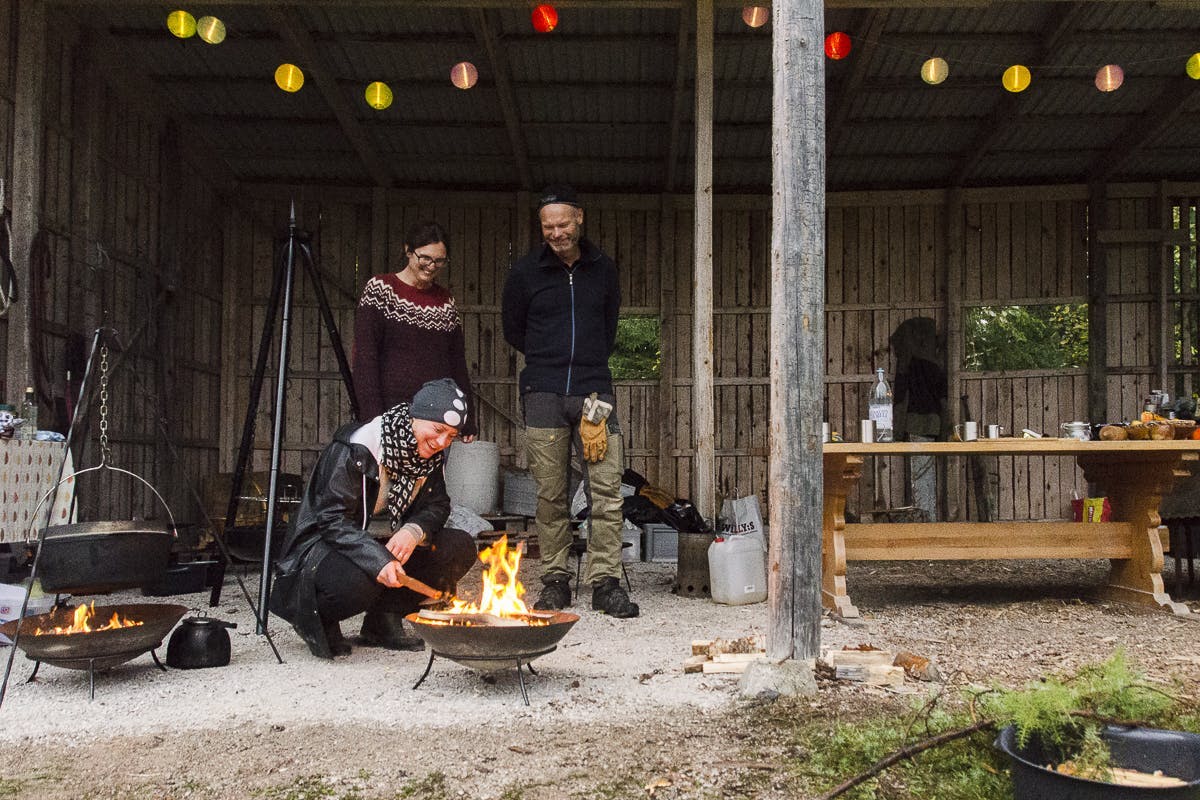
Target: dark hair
point(423, 233)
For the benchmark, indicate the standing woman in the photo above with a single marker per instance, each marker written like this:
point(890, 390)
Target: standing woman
point(407, 330)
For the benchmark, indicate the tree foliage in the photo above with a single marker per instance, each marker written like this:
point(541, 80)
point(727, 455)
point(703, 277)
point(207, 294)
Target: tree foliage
point(1026, 337)
point(638, 354)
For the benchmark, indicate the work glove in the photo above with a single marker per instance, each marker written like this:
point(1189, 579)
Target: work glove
point(656, 496)
point(595, 440)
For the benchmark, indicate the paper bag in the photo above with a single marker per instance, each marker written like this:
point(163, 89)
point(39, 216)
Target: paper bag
point(742, 517)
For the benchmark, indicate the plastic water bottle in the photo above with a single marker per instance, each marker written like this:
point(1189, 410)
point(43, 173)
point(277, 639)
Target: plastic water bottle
point(29, 411)
point(879, 408)
point(737, 570)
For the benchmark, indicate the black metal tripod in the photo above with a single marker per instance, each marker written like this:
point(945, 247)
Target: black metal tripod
point(281, 290)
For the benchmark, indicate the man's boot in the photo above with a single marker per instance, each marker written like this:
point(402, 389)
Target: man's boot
point(609, 597)
point(386, 629)
point(555, 595)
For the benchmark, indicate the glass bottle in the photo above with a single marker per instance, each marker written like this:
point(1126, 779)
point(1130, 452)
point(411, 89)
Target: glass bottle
point(879, 407)
point(29, 412)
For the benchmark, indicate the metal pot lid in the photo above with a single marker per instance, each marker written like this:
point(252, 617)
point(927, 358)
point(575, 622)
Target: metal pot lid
point(106, 528)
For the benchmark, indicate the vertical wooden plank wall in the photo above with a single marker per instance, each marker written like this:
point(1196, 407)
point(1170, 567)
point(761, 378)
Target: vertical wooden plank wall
point(8, 46)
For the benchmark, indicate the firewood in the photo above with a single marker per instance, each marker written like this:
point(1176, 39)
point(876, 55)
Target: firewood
point(835, 658)
point(916, 666)
point(694, 663)
point(700, 646)
point(720, 666)
point(738, 658)
point(872, 674)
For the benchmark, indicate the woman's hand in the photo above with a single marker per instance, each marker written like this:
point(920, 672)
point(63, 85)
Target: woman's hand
point(467, 439)
point(390, 575)
point(404, 541)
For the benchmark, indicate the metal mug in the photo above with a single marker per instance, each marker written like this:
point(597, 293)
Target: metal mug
point(995, 431)
point(867, 430)
point(825, 434)
point(1077, 430)
point(966, 431)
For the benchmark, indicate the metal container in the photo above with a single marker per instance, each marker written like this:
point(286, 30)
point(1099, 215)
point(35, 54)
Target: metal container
point(98, 649)
point(691, 576)
point(101, 557)
point(490, 648)
point(1077, 430)
point(200, 642)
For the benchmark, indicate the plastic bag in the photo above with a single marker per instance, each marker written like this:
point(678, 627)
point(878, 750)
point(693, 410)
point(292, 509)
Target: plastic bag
point(741, 517)
point(683, 517)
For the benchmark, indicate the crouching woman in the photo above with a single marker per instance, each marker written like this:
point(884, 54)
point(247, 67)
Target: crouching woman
point(330, 567)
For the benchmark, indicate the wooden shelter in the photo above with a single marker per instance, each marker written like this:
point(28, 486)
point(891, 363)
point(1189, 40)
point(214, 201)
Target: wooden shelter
point(154, 175)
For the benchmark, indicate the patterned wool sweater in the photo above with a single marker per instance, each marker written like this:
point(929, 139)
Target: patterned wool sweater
point(404, 337)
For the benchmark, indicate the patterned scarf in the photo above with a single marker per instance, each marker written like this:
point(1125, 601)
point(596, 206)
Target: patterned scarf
point(402, 461)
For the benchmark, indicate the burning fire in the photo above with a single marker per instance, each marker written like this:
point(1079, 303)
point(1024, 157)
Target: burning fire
point(83, 622)
point(502, 592)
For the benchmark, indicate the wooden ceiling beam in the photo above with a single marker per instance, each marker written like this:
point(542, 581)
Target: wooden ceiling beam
point(297, 38)
point(1160, 114)
point(867, 32)
point(999, 124)
point(482, 29)
point(678, 103)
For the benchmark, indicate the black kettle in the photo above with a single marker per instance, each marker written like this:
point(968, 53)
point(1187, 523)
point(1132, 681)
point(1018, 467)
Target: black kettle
point(199, 642)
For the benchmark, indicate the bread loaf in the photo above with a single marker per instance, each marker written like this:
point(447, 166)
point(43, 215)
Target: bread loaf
point(1113, 433)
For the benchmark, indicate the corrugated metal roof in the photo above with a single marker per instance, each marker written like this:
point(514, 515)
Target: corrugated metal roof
point(594, 100)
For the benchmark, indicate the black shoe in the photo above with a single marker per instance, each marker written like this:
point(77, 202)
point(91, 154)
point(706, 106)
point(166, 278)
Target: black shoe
point(338, 646)
point(609, 597)
point(555, 596)
point(386, 629)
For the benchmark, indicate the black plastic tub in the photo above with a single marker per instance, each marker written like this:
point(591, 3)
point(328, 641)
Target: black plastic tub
point(1174, 753)
point(183, 578)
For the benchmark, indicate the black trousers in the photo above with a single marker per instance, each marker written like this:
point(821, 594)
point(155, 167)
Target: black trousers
point(344, 589)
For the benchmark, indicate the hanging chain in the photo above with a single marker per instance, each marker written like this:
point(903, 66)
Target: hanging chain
point(105, 453)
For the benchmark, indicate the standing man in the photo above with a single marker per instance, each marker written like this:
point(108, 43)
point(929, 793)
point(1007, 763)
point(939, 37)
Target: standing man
point(561, 303)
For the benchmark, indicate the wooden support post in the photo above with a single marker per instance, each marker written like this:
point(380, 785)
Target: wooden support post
point(665, 474)
point(26, 196)
point(1161, 282)
point(797, 329)
point(952, 248)
point(704, 470)
point(1097, 290)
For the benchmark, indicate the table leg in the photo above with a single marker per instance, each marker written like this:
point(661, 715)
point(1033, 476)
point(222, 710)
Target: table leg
point(842, 472)
point(1134, 485)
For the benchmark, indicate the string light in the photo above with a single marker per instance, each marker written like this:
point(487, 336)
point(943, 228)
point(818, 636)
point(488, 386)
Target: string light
point(464, 75)
point(289, 77)
point(837, 45)
point(755, 16)
point(211, 30)
point(1193, 67)
point(1016, 78)
point(934, 71)
point(182, 24)
point(1109, 78)
point(379, 95)
point(545, 18)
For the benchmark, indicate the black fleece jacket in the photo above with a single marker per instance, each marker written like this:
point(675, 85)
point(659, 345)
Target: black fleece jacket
point(564, 319)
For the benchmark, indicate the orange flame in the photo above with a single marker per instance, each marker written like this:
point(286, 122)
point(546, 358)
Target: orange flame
point(83, 622)
point(502, 592)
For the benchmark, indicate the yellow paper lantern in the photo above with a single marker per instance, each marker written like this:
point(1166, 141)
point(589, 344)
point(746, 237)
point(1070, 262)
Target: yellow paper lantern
point(182, 24)
point(755, 16)
point(211, 30)
point(289, 77)
point(379, 95)
point(1109, 78)
point(1193, 67)
point(464, 75)
point(934, 71)
point(1016, 78)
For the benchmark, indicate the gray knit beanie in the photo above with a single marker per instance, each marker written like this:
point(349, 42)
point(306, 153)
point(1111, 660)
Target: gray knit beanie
point(440, 401)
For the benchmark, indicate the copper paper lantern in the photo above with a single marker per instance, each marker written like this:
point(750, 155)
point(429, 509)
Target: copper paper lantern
point(1193, 67)
point(289, 77)
point(181, 24)
point(934, 71)
point(1109, 78)
point(464, 75)
point(1016, 78)
point(837, 45)
point(545, 18)
point(755, 16)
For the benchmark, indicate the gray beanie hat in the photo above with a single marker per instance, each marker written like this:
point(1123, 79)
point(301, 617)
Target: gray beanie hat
point(440, 401)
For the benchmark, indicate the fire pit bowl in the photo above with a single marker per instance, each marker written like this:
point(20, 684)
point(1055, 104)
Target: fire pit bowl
point(490, 648)
point(96, 650)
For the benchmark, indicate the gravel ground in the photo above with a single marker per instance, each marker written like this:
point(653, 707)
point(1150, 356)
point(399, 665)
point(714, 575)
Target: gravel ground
point(610, 711)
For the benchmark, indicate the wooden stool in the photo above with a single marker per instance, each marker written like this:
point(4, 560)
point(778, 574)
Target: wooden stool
point(579, 548)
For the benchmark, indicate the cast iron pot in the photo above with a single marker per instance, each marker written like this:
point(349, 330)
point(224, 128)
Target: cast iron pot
point(1176, 753)
point(199, 642)
point(100, 557)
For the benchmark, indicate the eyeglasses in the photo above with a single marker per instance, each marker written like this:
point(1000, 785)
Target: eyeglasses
point(429, 261)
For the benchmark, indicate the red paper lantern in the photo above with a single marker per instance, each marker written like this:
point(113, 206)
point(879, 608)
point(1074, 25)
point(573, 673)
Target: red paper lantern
point(837, 45)
point(545, 18)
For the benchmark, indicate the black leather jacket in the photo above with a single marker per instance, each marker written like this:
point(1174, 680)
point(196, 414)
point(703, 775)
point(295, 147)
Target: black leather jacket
point(333, 515)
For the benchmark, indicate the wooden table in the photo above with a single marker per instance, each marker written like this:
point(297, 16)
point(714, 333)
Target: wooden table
point(29, 469)
point(1133, 475)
